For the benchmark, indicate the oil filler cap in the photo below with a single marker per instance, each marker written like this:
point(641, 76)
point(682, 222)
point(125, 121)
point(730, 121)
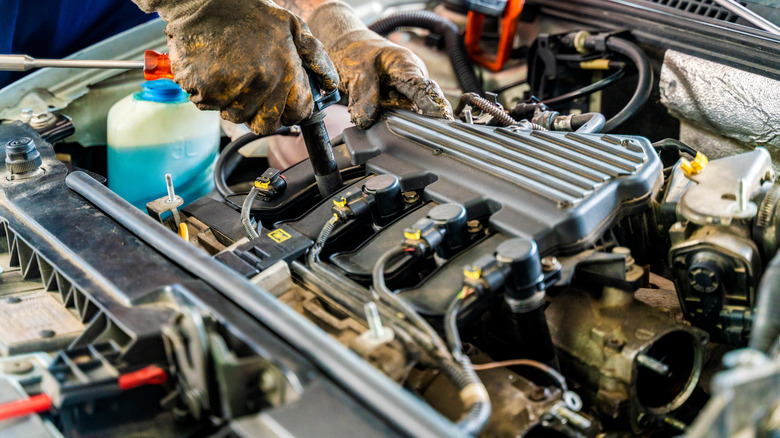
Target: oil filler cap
point(21, 156)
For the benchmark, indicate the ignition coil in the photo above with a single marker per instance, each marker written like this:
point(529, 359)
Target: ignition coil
point(524, 297)
point(443, 231)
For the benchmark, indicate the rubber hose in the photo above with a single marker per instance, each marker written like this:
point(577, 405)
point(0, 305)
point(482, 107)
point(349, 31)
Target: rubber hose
point(644, 78)
point(766, 327)
point(453, 42)
point(588, 123)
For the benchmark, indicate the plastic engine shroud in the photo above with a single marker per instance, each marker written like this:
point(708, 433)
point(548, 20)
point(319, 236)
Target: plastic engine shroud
point(561, 189)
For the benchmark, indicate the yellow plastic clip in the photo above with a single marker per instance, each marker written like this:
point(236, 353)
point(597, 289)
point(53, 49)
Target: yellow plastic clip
point(262, 185)
point(696, 166)
point(340, 202)
point(412, 234)
point(472, 272)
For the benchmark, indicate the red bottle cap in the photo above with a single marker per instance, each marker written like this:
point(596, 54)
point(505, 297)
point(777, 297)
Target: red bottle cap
point(157, 66)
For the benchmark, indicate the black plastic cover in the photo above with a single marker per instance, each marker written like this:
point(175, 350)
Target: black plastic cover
point(560, 189)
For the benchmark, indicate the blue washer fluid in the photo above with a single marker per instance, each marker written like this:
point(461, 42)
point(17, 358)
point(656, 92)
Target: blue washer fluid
point(157, 131)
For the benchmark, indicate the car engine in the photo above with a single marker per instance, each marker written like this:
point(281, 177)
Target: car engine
point(530, 268)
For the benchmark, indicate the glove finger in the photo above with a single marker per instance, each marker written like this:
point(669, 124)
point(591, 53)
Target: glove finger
point(242, 109)
point(405, 74)
point(314, 57)
point(267, 119)
point(364, 100)
point(299, 103)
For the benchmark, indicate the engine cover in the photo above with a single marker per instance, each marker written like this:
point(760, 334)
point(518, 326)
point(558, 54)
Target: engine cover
point(563, 190)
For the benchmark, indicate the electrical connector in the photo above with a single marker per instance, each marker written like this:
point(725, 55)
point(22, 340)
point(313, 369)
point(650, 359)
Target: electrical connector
point(351, 205)
point(270, 184)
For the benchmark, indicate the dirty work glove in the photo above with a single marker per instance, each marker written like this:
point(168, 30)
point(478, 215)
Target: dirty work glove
point(244, 58)
point(372, 69)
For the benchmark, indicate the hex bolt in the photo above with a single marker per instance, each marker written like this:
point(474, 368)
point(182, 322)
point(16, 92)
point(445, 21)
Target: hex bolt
point(374, 321)
point(653, 364)
point(169, 184)
point(410, 197)
point(550, 263)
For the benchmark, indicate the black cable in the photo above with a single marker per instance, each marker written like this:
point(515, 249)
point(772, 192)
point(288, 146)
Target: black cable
point(510, 86)
point(478, 413)
point(671, 143)
point(453, 42)
point(451, 327)
point(586, 90)
point(386, 295)
point(644, 80)
point(229, 159)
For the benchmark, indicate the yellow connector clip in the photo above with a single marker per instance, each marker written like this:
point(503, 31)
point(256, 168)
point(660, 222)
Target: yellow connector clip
point(412, 234)
point(262, 185)
point(341, 202)
point(472, 272)
point(696, 166)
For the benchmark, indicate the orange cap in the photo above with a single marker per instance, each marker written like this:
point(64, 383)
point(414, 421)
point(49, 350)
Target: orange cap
point(157, 66)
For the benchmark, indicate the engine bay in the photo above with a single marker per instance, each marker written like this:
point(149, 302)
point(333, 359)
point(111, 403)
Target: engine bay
point(568, 257)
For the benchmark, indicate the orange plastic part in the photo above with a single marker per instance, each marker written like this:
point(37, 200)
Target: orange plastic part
point(506, 39)
point(33, 405)
point(157, 66)
point(151, 375)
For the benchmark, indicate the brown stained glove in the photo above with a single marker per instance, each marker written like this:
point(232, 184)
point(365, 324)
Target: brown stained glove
point(244, 58)
point(372, 69)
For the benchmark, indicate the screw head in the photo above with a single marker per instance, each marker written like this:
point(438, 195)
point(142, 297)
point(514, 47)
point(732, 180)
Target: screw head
point(550, 263)
point(474, 226)
point(410, 197)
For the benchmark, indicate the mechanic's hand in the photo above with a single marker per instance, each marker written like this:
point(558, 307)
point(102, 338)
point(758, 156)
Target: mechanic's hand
point(245, 58)
point(373, 70)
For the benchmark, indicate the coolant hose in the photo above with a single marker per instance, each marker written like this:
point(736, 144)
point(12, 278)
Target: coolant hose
point(644, 80)
point(766, 327)
point(453, 42)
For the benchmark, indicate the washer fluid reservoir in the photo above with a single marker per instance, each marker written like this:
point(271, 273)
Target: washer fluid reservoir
point(158, 131)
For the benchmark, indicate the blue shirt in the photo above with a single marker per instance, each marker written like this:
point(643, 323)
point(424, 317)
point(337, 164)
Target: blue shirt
point(58, 28)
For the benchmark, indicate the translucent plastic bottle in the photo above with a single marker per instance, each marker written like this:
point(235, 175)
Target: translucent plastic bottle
point(158, 131)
